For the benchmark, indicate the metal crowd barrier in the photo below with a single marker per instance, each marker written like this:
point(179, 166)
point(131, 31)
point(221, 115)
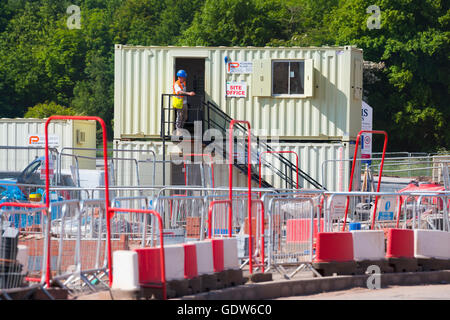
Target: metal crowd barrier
point(432, 212)
point(292, 228)
point(22, 234)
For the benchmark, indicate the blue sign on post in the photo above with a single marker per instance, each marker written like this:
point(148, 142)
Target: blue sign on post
point(386, 214)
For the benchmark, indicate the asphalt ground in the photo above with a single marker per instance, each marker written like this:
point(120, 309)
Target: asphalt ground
point(421, 292)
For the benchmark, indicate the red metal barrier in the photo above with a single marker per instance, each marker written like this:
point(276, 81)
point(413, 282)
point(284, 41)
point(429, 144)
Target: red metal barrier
point(249, 181)
point(260, 157)
point(105, 162)
point(161, 242)
point(230, 216)
point(353, 171)
point(45, 209)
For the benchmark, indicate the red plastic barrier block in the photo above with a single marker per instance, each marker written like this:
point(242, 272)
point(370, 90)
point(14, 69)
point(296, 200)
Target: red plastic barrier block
point(149, 265)
point(334, 247)
point(218, 263)
point(190, 261)
point(400, 243)
point(299, 230)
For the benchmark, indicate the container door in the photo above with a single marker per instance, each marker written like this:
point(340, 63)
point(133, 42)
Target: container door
point(195, 69)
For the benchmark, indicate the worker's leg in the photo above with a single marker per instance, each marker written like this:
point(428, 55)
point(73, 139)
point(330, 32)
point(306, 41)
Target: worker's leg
point(181, 117)
point(179, 121)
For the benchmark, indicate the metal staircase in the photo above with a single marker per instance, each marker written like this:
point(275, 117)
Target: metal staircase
point(213, 117)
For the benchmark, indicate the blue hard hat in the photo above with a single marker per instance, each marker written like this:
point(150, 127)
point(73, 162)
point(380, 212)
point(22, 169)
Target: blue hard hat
point(182, 73)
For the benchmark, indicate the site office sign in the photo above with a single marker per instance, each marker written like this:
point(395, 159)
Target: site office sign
point(242, 67)
point(237, 89)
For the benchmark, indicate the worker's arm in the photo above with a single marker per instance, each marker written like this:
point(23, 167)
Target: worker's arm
point(179, 91)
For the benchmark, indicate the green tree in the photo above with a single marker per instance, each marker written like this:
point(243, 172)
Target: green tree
point(94, 96)
point(235, 23)
point(411, 99)
point(45, 110)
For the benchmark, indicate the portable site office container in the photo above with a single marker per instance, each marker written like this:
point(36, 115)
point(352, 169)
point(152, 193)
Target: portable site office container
point(310, 97)
point(293, 93)
point(64, 134)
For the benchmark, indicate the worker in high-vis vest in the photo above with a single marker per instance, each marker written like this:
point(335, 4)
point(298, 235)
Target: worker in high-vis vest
point(180, 102)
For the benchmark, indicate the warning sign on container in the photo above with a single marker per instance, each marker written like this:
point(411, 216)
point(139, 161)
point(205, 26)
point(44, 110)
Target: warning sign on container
point(243, 67)
point(237, 89)
point(38, 140)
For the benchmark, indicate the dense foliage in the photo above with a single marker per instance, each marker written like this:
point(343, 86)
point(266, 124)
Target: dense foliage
point(44, 62)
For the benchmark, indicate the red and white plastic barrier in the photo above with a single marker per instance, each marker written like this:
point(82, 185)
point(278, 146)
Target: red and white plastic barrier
point(190, 261)
point(368, 245)
point(125, 270)
point(150, 264)
point(182, 261)
point(217, 246)
point(204, 252)
point(230, 254)
point(431, 244)
point(334, 247)
point(400, 243)
point(174, 256)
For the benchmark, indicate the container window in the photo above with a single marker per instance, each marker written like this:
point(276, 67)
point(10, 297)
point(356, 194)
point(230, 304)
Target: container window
point(288, 77)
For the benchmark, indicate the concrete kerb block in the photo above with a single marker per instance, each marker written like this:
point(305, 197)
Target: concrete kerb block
point(404, 264)
point(180, 287)
point(195, 285)
point(383, 264)
point(222, 279)
point(327, 269)
point(432, 264)
point(260, 277)
point(279, 288)
point(235, 277)
point(209, 282)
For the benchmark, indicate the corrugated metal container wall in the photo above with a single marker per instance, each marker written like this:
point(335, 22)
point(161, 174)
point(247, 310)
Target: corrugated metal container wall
point(318, 160)
point(314, 159)
point(15, 132)
point(126, 174)
point(142, 74)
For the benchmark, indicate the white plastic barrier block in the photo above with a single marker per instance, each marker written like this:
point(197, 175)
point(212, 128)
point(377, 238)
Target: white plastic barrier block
point(230, 253)
point(174, 256)
point(125, 270)
point(431, 244)
point(204, 257)
point(368, 245)
point(22, 257)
